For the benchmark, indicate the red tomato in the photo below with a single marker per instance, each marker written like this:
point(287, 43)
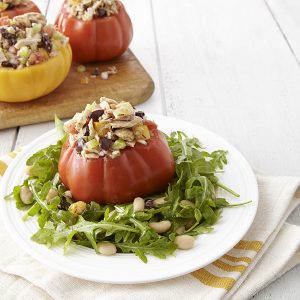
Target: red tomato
point(139, 171)
point(99, 39)
point(20, 10)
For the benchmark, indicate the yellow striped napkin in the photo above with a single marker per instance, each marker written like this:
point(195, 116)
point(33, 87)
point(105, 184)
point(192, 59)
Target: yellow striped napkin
point(269, 249)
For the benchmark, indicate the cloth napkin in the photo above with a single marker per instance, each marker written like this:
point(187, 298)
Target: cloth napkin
point(269, 249)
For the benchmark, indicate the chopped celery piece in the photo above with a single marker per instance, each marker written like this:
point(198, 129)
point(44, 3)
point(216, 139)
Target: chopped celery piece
point(81, 69)
point(36, 28)
point(58, 36)
point(92, 144)
point(119, 144)
point(24, 53)
point(11, 30)
point(3, 6)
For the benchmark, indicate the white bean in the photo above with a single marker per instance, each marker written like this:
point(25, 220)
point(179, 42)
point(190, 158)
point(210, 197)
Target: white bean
point(27, 170)
point(138, 204)
point(77, 208)
point(161, 227)
point(51, 195)
point(107, 248)
point(187, 203)
point(184, 242)
point(159, 201)
point(26, 195)
point(68, 194)
point(180, 230)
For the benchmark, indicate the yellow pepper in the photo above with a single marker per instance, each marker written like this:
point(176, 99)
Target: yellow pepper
point(32, 82)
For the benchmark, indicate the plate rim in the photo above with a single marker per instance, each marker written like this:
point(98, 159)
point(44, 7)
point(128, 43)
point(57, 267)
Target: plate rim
point(58, 267)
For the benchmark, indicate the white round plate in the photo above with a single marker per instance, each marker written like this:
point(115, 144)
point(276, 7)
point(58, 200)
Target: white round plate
point(127, 268)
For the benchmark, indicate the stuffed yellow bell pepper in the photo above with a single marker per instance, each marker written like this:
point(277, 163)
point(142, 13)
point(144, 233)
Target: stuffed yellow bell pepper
point(34, 58)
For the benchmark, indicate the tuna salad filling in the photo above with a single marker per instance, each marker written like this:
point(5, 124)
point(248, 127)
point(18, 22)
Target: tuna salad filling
point(7, 4)
point(27, 40)
point(87, 10)
point(105, 128)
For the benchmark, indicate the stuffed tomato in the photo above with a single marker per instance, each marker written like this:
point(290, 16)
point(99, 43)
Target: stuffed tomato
point(34, 58)
point(12, 8)
point(99, 30)
point(113, 155)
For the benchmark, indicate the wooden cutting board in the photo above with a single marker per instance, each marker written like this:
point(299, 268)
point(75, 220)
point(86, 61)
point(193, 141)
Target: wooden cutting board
point(132, 83)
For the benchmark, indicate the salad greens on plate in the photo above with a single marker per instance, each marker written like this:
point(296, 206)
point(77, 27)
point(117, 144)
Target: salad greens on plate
point(190, 204)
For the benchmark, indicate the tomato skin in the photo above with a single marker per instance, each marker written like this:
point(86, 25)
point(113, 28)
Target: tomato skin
point(20, 10)
point(100, 39)
point(139, 171)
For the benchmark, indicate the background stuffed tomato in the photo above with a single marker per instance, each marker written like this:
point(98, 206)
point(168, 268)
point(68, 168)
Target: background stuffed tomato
point(20, 10)
point(35, 81)
point(99, 39)
point(139, 171)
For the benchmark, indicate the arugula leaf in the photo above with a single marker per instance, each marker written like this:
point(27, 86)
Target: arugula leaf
point(160, 248)
point(49, 235)
point(94, 212)
point(44, 163)
point(37, 197)
point(200, 229)
point(34, 210)
point(19, 203)
point(43, 217)
point(68, 241)
point(92, 240)
point(64, 217)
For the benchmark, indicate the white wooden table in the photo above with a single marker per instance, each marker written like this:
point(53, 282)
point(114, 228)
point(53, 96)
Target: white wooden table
point(231, 66)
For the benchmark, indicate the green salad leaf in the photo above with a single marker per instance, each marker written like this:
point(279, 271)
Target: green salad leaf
point(59, 125)
point(43, 165)
point(195, 182)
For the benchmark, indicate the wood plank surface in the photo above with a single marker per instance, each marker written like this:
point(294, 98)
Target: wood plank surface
point(7, 140)
point(230, 70)
point(132, 83)
point(286, 14)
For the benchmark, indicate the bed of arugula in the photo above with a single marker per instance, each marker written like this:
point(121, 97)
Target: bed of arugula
point(195, 180)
